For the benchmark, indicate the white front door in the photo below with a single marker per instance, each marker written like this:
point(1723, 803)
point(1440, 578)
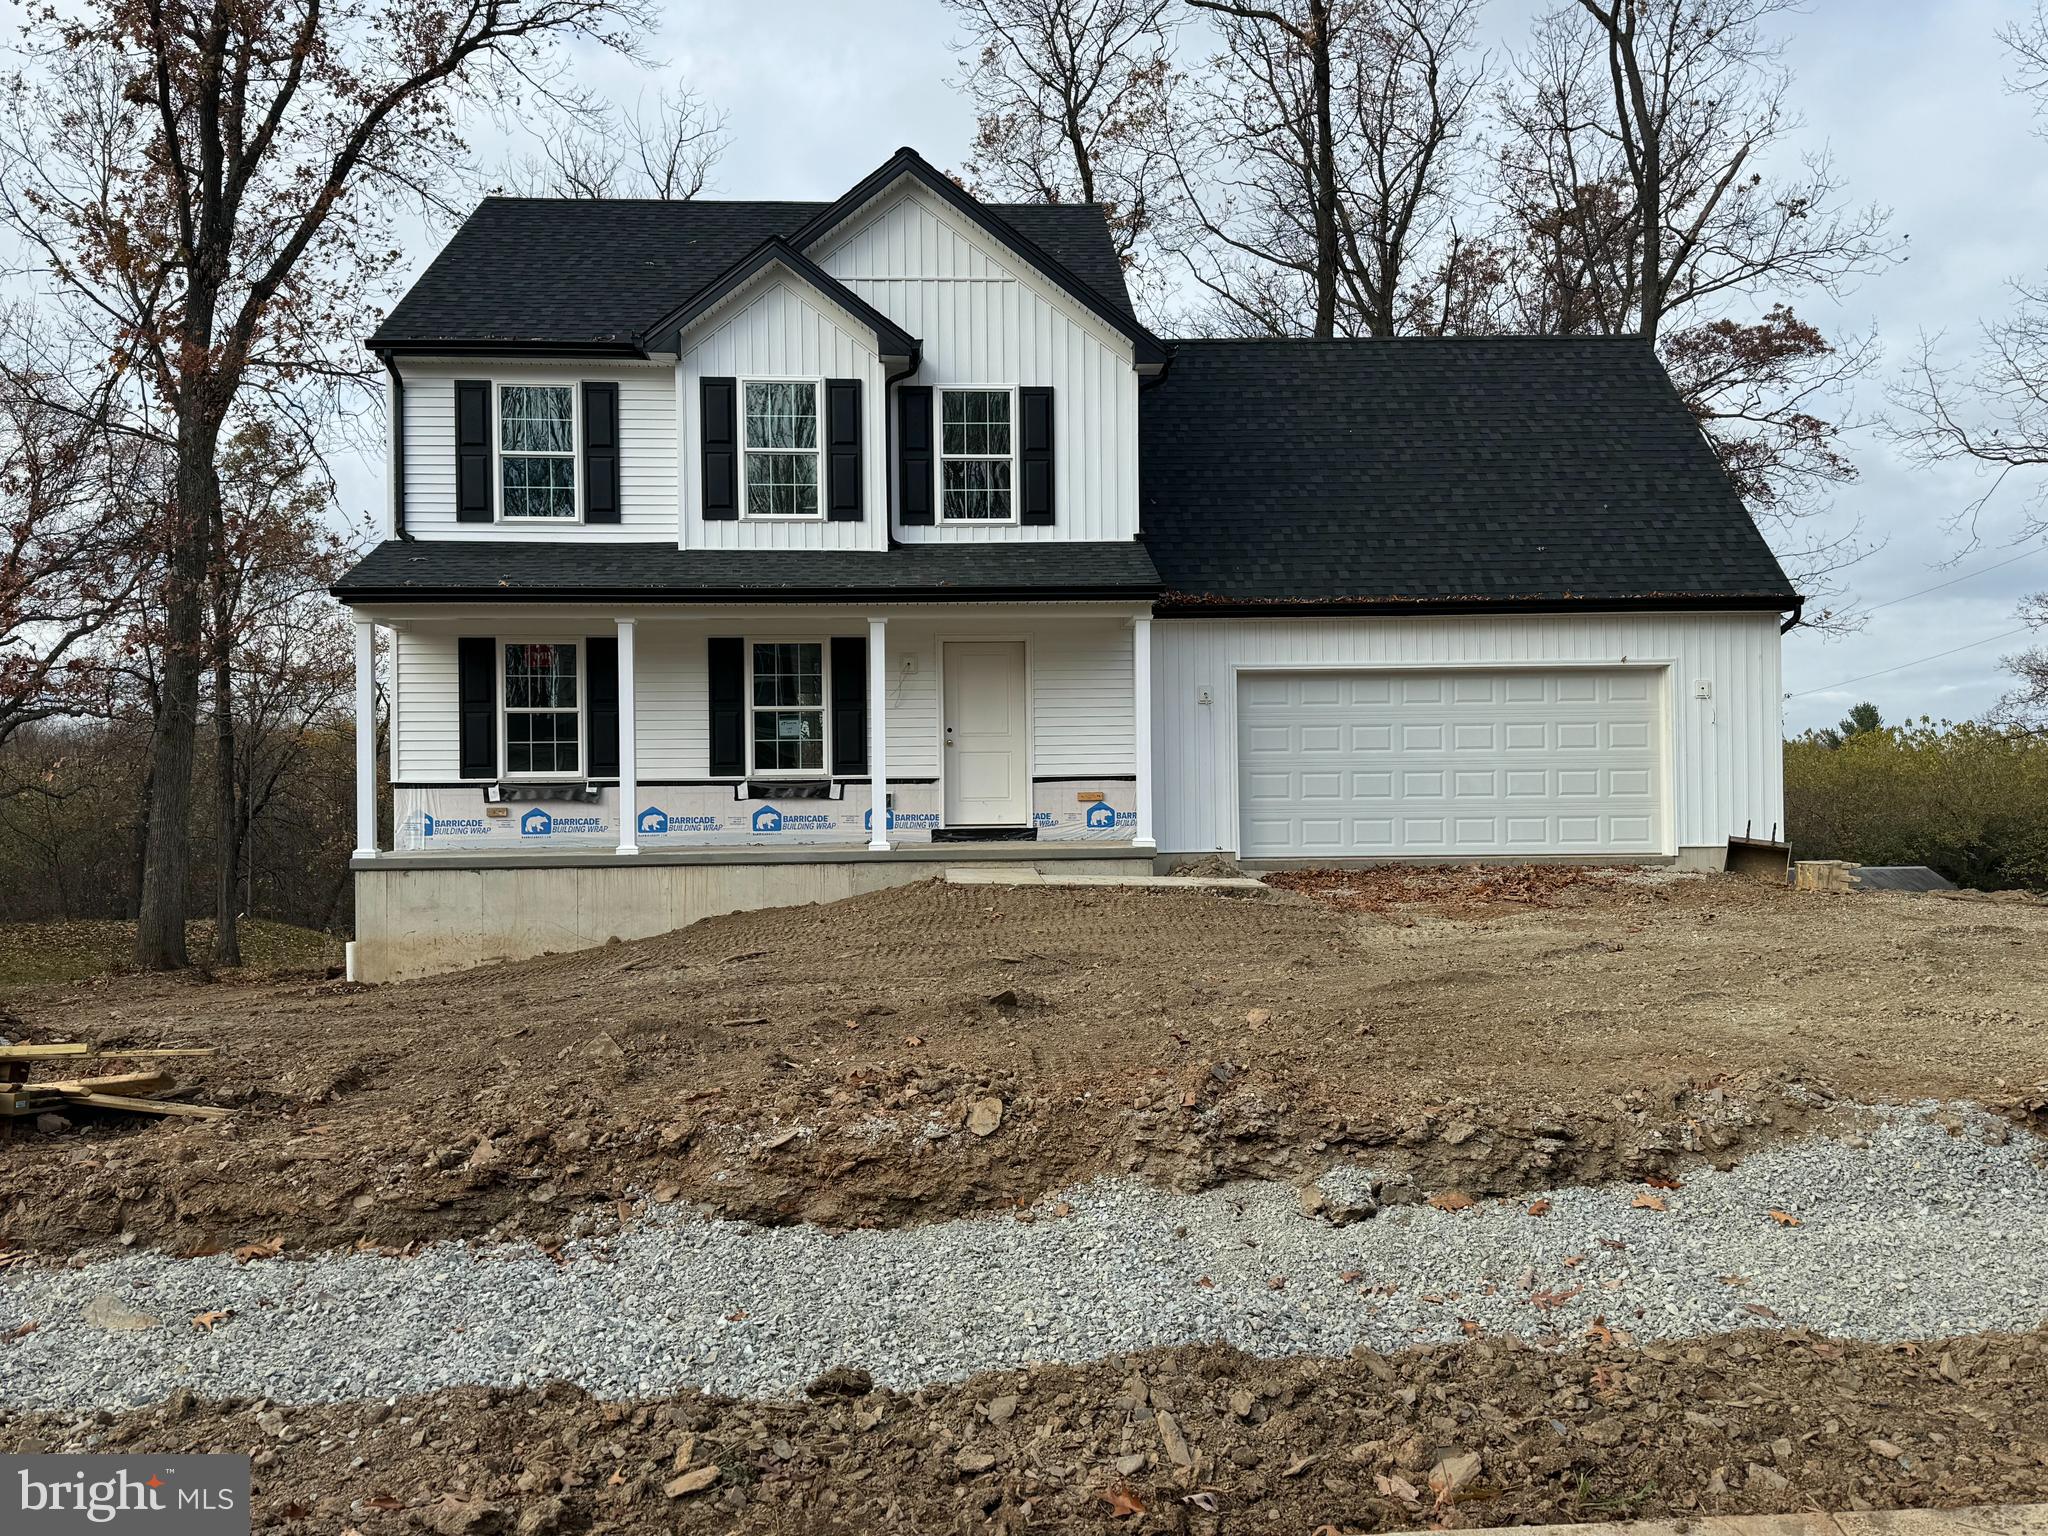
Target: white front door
point(988, 764)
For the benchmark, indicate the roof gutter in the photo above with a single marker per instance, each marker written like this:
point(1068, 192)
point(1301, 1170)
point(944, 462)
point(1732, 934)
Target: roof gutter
point(356, 595)
point(1184, 606)
point(397, 446)
point(1798, 614)
point(535, 348)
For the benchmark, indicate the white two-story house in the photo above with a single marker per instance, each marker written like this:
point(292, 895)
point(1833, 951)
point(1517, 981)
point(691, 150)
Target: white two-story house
point(754, 552)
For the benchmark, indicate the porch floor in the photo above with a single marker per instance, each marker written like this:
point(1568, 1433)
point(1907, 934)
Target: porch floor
point(800, 853)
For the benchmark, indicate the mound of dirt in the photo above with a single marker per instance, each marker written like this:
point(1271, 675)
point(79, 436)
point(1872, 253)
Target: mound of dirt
point(825, 1063)
point(1200, 1440)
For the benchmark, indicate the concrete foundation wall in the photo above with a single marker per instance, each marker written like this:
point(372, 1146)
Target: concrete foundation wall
point(425, 921)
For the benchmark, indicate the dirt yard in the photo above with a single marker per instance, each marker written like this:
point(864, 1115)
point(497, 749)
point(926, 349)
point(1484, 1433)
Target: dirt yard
point(1470, 1435)
point(837, 1064)
point(943, 1050)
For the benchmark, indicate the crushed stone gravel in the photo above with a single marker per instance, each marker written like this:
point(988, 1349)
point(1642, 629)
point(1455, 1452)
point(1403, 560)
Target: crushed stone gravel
point(1928, 1227)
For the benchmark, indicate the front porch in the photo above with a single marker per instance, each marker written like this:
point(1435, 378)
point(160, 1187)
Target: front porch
point(735, 757)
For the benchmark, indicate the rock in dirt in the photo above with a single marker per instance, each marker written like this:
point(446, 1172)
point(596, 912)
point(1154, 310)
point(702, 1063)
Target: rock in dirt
point(695, 1480)
point(1175, 1442)
point(52, 1125)
point(468, 1517)
point(110, 1312)
point(1002, 1409)
point(841, 1381)
point(974, 1461)
point(984, 1115)
point(1454, 1472)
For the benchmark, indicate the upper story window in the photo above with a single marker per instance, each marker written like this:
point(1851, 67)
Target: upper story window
point(976, 456)
point(537, 451)
point(781, 459)
point(543, 733)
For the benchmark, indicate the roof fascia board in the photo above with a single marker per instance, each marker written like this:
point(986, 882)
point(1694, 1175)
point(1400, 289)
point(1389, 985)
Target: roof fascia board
point(422, 350)
point(1181, 606)
point(746, 596)
point(891, 340)
point(1148, 351)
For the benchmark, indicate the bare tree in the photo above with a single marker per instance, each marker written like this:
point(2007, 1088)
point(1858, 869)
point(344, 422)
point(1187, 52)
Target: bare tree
point(1071, 105)
point(1318, 165)
point(1991, 409)
point(212, 186)
point(666, 149)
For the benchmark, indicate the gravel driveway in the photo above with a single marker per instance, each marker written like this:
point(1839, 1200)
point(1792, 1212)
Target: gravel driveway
point(1920, 1233)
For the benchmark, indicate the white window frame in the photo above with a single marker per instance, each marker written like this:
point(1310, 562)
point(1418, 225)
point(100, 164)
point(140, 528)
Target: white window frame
point(824, 645)
point(817, 451)
point(939, 457)
point(582, 648)
point(499, 455)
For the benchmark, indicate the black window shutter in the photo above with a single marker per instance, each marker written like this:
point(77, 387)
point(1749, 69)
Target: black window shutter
point(726, 659)
point(1034, 456)
point(842, 450)
point(476, 672)
point(914, 454)
point(849, 704)
point(472, 451)
point(720, 445)
point(601, 688)
point(600, 453)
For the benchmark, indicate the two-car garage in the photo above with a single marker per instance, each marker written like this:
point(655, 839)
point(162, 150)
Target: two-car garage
point(1454, 763)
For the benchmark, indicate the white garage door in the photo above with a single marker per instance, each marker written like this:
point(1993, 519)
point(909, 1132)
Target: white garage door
point(1463, 763)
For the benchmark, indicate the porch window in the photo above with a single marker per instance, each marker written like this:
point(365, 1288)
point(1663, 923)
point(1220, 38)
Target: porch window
point(543, 732)
point(537, 450)
point(782, 448)
point(975, 455)
point(789, 707)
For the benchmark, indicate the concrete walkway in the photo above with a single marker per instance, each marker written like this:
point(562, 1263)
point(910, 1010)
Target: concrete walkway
point(1239, 884)
point(1991, 1519)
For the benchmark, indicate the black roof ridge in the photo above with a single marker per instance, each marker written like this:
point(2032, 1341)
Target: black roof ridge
point(736, 202)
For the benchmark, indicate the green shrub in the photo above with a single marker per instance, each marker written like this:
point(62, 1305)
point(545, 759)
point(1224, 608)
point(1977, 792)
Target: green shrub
point(1968, 800)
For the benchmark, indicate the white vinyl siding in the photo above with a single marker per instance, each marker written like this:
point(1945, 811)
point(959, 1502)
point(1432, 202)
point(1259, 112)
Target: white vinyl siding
point(1722, 754)
point(1081, 701)
point(424, 678)
point(983, 316)
point(781, 329)
point(647, 450)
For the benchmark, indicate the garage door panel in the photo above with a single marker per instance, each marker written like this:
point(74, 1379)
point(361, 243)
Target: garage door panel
point(1521, 760)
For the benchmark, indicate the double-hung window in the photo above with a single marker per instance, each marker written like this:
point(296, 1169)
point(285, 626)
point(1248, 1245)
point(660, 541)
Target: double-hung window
point(537, 450)
point(788, 707)
point(976, 455)
point(781, 459)
point(543, 724)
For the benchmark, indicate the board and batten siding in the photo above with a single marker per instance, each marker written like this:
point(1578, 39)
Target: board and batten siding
point(1725, 752)
point(781, 329)
point(647, 449)
point(985, 317)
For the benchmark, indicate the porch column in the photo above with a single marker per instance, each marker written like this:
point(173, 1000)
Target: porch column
point(1141, 726)
point(629, 765)
point(878, 735)
point(366, 738)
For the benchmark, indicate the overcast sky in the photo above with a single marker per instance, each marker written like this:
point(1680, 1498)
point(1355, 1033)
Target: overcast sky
point(1907, 94)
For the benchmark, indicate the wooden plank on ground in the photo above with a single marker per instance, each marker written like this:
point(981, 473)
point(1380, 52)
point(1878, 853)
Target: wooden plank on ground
point(80, 1048)
point(119, 1082)
point(151, 1106)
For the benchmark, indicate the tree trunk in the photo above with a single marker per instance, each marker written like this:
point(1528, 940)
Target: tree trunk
point(167, 851)
point(138, 840)
point(227, 938)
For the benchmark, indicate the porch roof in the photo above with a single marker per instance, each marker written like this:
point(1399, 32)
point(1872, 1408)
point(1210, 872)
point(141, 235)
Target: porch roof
point(442, 569)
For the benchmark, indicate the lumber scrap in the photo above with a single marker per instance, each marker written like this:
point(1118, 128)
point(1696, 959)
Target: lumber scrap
point(80, 1048)
point(150, 1106)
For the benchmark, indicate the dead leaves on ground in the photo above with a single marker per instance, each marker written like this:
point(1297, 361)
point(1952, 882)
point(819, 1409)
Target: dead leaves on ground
point(1647, 1202)
point(1122, 1502)
point(1452, 1200)
point(1785, 1218)
point(269, 1248)
point(205, 1321)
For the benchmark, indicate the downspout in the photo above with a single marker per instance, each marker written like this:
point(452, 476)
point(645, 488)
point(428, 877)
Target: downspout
point(889, 442)
point(397, 447)
point(1798, 612)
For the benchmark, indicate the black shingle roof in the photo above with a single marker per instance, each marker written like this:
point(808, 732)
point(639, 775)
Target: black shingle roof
point(598, 272)
point(1509, 470)
point(573, 570)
